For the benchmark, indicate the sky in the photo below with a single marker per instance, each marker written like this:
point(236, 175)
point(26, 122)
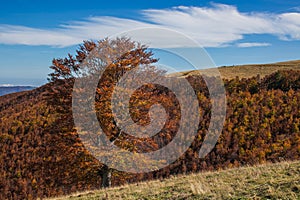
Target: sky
point(33, 32)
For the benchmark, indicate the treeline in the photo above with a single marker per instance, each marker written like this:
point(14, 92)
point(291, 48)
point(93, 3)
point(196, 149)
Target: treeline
point(262, 125)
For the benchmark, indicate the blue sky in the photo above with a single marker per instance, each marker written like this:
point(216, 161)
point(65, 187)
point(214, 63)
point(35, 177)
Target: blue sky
point(33, 32)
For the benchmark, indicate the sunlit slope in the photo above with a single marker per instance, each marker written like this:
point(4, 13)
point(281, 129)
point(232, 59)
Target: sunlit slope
point(247, 71)
point(271, 181)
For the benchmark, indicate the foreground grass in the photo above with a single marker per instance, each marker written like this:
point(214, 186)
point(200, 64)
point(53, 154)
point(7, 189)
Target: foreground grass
point(270, 181)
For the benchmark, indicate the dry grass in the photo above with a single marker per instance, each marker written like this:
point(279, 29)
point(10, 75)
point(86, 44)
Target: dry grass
point(247, 71)
point(270, 181)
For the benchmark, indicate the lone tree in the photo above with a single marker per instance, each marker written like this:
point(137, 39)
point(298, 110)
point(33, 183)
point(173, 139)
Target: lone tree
point(112, 57)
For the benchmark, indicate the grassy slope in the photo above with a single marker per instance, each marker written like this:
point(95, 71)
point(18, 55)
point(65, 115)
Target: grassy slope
point(247, 71)
point(270, 181)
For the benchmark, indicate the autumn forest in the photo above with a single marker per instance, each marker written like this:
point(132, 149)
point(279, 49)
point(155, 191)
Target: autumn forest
point(42, 154)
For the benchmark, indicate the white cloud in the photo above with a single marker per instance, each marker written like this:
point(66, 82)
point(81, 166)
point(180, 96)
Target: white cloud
point(32, 36)
point(253, 44)
point(215, 26)
point(289, 26)
point(66, 35)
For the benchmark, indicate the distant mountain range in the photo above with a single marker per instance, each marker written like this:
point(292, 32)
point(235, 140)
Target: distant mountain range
point(12, 89)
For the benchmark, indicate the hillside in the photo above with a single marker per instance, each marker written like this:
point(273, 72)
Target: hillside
point(41, 154)
point(37, 157)
point(268, 181)
point(11, 89)
point(248, 71)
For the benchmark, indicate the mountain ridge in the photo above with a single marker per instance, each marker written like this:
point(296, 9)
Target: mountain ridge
point(245, 70)
point(8, 89)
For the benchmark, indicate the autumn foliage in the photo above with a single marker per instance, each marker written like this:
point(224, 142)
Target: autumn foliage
point(42, 155)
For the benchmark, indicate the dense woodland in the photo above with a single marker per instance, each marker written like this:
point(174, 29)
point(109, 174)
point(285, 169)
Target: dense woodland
point(41, 154)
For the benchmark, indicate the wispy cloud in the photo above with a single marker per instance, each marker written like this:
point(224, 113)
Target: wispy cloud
point(215, 26)
point(253, 44)
point(33, 36)
point(297, 8)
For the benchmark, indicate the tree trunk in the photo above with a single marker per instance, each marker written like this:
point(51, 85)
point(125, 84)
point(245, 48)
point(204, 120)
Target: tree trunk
point(106, 177)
